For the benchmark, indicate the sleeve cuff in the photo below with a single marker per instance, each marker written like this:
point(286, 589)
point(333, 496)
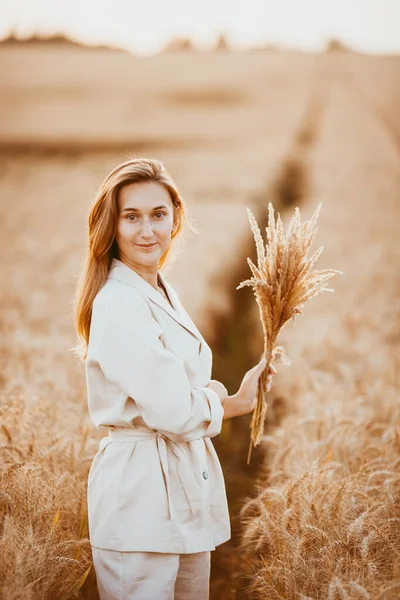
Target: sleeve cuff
point(216, 410)
point(221, 386)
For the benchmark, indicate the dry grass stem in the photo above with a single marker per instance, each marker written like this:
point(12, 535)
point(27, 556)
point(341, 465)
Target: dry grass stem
point(283, 280)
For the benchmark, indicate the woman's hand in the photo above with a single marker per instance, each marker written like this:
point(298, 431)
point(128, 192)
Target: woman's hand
point(245, 399)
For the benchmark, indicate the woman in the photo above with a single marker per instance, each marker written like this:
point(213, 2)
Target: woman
point(156, 495)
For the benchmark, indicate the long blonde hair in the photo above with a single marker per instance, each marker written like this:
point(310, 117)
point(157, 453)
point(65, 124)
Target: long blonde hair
point(101, 242)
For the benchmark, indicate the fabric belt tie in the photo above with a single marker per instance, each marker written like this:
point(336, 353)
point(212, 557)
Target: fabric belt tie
point(185, 473)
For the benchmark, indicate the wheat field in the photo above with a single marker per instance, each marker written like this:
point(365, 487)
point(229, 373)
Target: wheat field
point(320, 519)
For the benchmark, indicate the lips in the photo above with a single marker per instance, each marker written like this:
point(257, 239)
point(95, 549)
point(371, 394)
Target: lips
point(146, 248)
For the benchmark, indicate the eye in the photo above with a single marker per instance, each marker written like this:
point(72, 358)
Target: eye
point(132, 216)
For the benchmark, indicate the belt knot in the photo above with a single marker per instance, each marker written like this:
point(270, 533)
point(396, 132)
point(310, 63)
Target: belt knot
point(186, 476)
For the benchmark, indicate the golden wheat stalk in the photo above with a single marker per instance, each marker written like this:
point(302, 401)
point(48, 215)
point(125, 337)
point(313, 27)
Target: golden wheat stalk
point(283, 280)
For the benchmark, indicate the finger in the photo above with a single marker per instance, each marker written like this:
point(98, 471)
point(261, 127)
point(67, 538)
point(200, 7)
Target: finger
point(261, 365)
point(272, 369)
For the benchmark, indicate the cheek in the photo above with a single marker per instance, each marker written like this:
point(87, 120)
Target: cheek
point(124, 232)
point(165, 229)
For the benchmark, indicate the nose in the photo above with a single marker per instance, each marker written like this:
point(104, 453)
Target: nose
point(146, 231)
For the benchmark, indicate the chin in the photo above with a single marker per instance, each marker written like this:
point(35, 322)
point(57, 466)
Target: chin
point(146, 259)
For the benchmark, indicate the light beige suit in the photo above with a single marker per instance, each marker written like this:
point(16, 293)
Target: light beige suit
point(155, 484)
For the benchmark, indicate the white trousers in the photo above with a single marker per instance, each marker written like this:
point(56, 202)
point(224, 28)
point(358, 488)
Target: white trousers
point(151, 575)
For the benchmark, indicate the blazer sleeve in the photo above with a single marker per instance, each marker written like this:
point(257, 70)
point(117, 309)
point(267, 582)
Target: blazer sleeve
point(132, 356)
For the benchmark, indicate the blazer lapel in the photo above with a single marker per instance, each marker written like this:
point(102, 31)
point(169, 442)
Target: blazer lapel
point(121, 272)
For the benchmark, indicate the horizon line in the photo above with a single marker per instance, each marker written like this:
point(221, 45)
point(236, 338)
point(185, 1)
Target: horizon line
point(222, 42)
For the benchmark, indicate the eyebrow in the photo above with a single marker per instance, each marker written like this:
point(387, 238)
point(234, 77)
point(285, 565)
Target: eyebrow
point(137, 210)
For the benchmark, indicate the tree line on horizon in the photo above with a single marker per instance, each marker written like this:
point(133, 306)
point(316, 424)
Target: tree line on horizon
point(175, 44)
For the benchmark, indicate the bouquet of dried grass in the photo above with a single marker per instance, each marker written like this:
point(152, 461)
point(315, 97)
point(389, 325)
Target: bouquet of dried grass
point(282, 281)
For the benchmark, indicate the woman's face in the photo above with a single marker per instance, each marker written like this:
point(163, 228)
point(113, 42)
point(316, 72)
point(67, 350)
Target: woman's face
point(145, 217)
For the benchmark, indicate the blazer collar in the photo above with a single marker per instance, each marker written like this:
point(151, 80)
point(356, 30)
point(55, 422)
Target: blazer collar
point(121, 272)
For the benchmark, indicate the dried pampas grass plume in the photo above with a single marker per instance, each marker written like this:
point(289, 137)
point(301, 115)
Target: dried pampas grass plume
point(283, 280)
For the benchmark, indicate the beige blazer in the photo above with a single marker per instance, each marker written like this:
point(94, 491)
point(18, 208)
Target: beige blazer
point(155, 483)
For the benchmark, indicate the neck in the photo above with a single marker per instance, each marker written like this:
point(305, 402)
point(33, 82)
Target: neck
point(149, 274)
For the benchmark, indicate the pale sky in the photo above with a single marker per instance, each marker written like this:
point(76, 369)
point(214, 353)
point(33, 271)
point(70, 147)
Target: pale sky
point(145, 26)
